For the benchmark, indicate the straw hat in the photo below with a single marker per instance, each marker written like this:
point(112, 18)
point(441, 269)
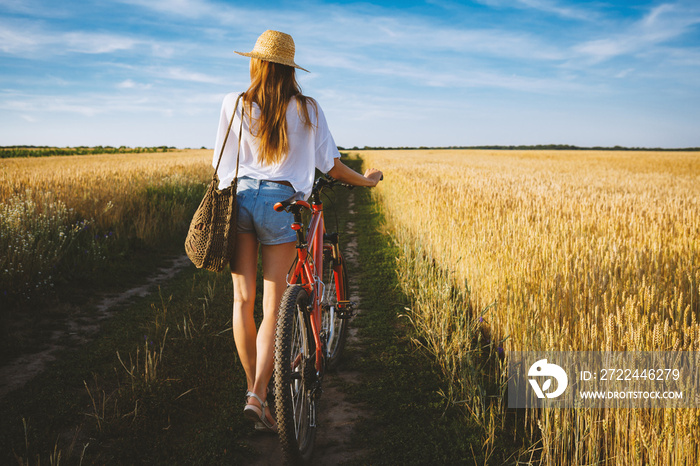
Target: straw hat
point(276, 47)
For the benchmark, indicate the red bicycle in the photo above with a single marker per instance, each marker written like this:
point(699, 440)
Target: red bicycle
point(311, 325)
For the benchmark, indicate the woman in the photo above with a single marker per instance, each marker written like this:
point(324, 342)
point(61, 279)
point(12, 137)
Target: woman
point(284, 138)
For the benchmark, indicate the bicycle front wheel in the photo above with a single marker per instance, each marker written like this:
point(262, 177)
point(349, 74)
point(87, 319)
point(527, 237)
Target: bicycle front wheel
point(295, 377)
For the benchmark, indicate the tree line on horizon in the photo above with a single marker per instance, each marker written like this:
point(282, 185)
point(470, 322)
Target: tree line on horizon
point(526, 147)
point(46, 151)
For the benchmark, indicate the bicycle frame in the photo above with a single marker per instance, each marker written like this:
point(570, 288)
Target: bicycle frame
point(307, 269)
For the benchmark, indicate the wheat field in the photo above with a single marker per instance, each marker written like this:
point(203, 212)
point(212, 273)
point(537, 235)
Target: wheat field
point(528, 250)
point(68, 214)
point(556, 250)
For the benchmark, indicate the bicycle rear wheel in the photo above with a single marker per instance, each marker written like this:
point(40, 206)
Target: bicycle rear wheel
point(295, 377)
point(334, 325)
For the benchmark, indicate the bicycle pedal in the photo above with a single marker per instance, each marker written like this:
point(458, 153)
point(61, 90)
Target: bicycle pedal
point(346, 309)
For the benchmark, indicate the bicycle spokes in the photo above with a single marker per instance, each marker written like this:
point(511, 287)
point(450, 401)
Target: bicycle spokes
point(295, 376)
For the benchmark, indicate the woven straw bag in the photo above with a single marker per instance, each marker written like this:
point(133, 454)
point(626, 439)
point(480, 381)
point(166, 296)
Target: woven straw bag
point(211, 239)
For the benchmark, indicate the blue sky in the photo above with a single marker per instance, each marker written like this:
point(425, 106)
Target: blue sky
point(402, 73)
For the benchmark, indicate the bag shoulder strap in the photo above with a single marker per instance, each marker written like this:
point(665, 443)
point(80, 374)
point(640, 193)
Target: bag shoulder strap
point(240, 132)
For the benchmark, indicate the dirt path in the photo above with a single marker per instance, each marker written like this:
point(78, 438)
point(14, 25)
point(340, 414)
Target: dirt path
point(77, 328)
point(337, 416)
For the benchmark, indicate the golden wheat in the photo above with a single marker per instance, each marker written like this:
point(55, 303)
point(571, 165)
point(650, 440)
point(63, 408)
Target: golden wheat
point(49, 205)
point(103, 187)
point(580, 250)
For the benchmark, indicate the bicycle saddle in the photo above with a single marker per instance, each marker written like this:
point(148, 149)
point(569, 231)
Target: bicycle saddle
point(296, 199)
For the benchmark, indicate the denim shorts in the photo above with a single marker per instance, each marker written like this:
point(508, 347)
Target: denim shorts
point(256, 214)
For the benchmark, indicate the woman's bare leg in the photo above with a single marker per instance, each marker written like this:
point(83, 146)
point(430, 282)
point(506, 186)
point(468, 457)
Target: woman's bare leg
point(244, 274)
point(276, 260)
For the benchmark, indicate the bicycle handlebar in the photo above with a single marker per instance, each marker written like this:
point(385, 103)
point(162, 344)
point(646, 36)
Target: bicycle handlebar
point(297, 199)
point(328, 181)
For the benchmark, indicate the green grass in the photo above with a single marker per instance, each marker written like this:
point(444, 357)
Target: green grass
point(188, 413)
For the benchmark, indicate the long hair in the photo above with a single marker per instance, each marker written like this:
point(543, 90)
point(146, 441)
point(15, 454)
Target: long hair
point(272, 86)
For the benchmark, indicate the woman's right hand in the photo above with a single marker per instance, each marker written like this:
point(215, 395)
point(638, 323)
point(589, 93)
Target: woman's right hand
point(374, 175)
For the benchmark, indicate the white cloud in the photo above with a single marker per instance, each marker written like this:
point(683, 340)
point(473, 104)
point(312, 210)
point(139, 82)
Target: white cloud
point(683, 57)
point(16, 41)
point(180, 74)
point(165, 51)
point(624, 73)
point(549, 6)
point(497, 43)
point(187, 8)
point(201, 10)
point(95, 43)
point(27, 38)
point(662, 24)
point(36, 8)
point(130, 84)
point(142, 99)
point(546, 6)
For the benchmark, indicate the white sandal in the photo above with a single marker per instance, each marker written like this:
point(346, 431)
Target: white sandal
point(257, 414)
point(258, 425)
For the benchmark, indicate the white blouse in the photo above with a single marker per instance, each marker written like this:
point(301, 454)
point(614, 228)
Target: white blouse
point(309, 148)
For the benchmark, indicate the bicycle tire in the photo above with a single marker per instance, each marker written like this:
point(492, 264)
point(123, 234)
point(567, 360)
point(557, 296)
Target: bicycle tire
point(294, 373)
point(333, 325)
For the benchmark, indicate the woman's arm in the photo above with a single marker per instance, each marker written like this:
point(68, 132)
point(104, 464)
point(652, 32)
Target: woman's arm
point(342, 172)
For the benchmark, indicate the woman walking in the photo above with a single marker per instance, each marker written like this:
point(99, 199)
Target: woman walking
point(284, 138)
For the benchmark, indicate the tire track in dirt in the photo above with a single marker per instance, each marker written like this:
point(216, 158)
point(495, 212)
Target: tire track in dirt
point(78, 328)
point(337, 416)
